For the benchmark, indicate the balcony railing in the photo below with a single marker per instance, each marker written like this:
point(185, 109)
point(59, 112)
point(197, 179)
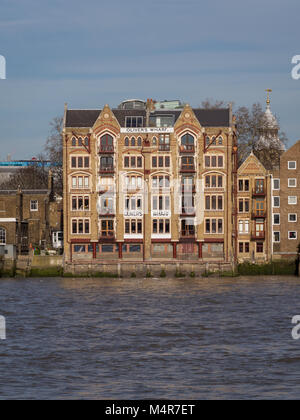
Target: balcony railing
point(188, 188)
point(107, 212)
point(107, 235)
point(106, 149)
point(188, 233)
point(259, 192)
point(187, 148)
point(164, 147)
point(188, 211)
point(107, 169)
point(187, 168)
point(258, 235)
point(256, 214)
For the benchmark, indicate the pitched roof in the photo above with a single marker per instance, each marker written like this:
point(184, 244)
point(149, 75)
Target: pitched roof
point(206, 117)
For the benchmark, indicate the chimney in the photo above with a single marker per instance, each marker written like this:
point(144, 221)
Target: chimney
point(50, 184)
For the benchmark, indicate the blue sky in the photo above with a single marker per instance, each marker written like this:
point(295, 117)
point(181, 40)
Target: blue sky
point(89, 53)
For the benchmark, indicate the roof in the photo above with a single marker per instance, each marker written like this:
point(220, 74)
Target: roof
point(206, 117)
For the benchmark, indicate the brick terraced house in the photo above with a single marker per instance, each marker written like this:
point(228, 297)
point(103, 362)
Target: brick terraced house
point(145, 183)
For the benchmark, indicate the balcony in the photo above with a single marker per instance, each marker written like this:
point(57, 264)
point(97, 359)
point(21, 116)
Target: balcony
point(187, 148)
point(187, 168)
point(164, 148)
point(107, 212)
point(106, 149)
point(109, 169)
point(107, 236)
point(259, 192)
point(188, 211)
point(258, 214)
point(188, 189)
point(258, 235)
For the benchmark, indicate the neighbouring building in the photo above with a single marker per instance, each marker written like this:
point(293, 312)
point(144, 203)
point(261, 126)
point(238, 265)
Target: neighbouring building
point(150, 183)
point(28, 218)
point(285, 204)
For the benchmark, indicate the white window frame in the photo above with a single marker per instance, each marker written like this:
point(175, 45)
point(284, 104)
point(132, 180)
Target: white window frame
point(276, 214)
point(289, 200)
point(276, 242)
point(276, 179)
point(37, 205)
point(276, 196)
point(292, 239)
point(3, 236)
point(292, 179)
point(292, 161)
point(292, 221)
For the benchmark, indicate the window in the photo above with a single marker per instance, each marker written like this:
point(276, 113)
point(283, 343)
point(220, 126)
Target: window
point(214, 181)
point(34, 205)
point(292, 182)
point(243, 184)
point(2, 236)
point(214, 226)
point(243, 206)
point(161, 182)
point(106, 164)
point(259, 247)
point(74, 141)
point(133, 162)
point(161, 226)
point(244, 247)
point(133, 183)
point(276, 184)
point(106, 205)
point(134, 122)
point(187, 143)
point(187, 228)
point(276, 237)
point(214, 161)
point(292, 235)
point(80, 162)
point(292, 200)
point(214, 202)
point(107, 228)
point(80, 203)
point(133, 226)
point(276, 201)
point(276, 219)
point(161, 202)
point(164, 142)
point(80, 182)
point(243, 226)
point(133, 203)
point(80, 226)
point(292, 217)
point(292, 164)
point(106, 143)
point(187, 163)
point(160, 161)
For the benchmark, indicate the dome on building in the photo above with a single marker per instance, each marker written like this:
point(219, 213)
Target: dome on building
point(269, 131)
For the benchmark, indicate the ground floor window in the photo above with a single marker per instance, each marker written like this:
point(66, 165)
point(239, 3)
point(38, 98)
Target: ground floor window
point(132, 248)
point(162, 250)
point(244, 247)
point(2, 236)
point(213, 250)
point(276, 236)
point(259, 247)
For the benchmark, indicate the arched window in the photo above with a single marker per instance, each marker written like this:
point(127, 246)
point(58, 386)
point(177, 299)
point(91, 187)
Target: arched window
point(2, 236)
point(73, 141)
point(207, 141)
point(154, 141)
point(220, 141)
point(126, 141)
point(213, 141)
point(132, 143)
point(80, 141)
point(106, 143)
point(86, 141)
point(188, 142)
point(139, 142)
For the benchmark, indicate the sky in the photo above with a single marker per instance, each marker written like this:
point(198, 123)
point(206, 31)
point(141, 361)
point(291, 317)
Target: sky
point(92, 52)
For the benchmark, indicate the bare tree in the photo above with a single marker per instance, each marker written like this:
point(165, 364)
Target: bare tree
point(32, 177)
point(210, 103)
point(54, 152)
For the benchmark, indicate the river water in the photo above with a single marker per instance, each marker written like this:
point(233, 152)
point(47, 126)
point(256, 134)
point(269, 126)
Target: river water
point(152, 338)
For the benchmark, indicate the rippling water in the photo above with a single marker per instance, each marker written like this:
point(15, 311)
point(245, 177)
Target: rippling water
point(144, 339)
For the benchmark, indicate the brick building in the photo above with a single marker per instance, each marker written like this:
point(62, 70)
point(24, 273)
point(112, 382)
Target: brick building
point(147, 184)
point(28, 217)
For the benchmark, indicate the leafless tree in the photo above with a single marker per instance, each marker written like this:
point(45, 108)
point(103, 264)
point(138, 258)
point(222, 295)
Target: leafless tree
point(54, 152)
